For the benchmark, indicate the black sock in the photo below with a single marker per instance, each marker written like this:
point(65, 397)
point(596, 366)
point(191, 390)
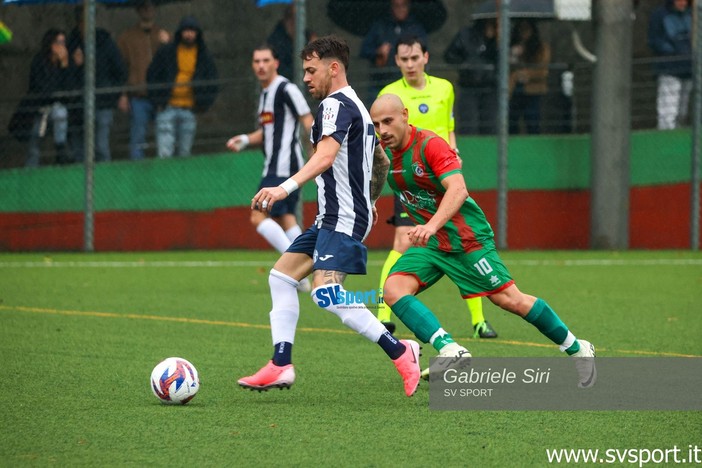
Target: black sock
point(391, 345)
point(282, 353)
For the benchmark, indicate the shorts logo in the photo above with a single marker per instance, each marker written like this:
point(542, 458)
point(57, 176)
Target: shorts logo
point(423, 108)
point(324, 258)
point(494, 280)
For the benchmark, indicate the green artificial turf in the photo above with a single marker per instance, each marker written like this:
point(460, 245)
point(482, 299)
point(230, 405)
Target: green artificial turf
point(80, 333)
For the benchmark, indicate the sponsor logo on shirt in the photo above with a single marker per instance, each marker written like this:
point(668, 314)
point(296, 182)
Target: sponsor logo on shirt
point(423, 199)
point(265, 118)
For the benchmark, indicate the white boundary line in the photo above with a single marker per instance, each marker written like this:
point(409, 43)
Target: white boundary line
point(258, 263)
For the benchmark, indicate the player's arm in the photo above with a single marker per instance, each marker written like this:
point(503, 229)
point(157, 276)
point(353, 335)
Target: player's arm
point(322, 159)
point(452, 141)
point(307, 120)
point(239, 142)
point(381, 165)
point(456, 194)
point(379, 172)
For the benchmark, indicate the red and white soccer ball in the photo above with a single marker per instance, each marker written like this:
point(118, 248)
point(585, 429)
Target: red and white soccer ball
point(174, 381)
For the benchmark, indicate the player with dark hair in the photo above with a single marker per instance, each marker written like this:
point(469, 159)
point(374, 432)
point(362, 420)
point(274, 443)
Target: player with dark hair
point(452, 237)
point(281, 110)
point(349, 168)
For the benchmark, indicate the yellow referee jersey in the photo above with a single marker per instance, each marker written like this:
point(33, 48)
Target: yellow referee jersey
point(430, 108)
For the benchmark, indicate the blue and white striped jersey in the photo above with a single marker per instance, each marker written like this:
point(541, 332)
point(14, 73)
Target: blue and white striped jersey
point(343, 191)
point(279, 108)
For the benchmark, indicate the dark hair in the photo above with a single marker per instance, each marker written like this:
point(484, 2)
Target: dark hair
point(410, 40)
point(327, 47)
point(533, 45)
point(266, 46)
point(48, 39)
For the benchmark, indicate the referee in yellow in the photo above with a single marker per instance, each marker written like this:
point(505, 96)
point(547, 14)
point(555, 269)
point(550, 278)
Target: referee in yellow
point(429, 100)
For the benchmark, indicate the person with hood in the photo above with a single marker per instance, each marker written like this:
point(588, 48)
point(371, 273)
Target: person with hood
point(181, 83)
point(669, 36)
point(110, 73)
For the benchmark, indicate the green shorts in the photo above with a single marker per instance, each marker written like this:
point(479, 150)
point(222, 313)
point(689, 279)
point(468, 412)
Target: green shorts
point(479, 273)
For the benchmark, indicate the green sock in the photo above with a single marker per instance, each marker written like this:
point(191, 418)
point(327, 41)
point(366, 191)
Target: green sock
point(547, 322)
point(417, 317)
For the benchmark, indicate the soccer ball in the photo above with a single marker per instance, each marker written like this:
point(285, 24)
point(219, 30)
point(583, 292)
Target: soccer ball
point(175, 381)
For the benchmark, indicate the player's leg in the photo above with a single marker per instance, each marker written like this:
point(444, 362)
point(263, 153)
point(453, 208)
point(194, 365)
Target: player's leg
point(283, 214)
point(481, 327)
point(400, 244)
point(283, 281)
point(416, 271)
point(502, 291)
point(266, 226)
point(336, 256)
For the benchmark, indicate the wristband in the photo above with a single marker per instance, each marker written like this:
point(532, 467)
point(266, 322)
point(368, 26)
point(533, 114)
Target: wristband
point(289, 185)
point(243, 141)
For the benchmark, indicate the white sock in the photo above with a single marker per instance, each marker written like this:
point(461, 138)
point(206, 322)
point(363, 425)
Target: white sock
point(293, 232)
point(570, 339)
point(274, 234)
point(355, 316)
point(437, 334)
point(286, 307)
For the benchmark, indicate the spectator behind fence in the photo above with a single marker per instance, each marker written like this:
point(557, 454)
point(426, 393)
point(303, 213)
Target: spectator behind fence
point(51, 74)
point(474, 47)
point(138, 46)
point(669, 35)
point(529, 57)
point(187, 70)
point(282, 39)
point(379, 44)
point(110, 72)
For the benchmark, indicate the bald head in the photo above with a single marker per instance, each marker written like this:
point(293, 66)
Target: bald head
point(389, 117)
point(388, 103)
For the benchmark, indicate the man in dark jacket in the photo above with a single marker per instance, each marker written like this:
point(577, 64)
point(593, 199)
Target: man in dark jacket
point(670, 37)
point(474, 48)
point(110, 74)
point(181, 82)
point(378, 46)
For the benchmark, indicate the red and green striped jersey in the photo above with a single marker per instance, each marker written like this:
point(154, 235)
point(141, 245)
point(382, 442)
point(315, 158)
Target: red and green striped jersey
point(415, 175)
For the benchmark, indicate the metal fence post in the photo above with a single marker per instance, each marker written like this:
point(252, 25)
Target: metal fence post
point(89, 123)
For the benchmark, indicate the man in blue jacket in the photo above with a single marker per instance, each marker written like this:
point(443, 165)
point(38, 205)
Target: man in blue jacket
point(181, 80)
point(670, 37)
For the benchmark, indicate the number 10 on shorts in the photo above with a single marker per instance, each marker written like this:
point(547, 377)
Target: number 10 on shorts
point(483, 266)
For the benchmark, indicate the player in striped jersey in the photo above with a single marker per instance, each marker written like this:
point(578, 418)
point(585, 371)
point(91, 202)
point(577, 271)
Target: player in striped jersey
point(349, 168)
point(430, 103)
point(281, 110)
point(452, 237)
